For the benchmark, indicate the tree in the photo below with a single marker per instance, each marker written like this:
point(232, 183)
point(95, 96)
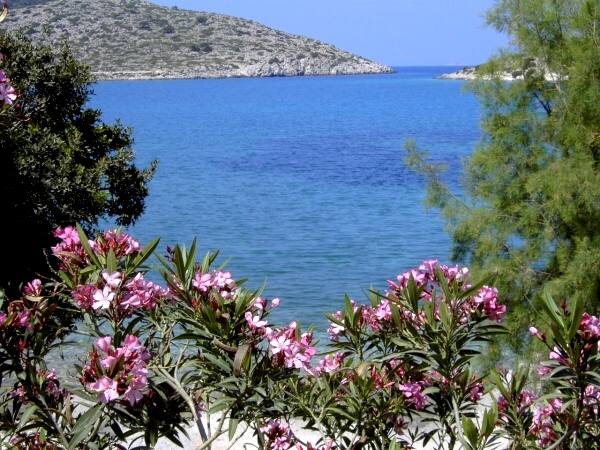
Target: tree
point(59, 163)
point(530, 210)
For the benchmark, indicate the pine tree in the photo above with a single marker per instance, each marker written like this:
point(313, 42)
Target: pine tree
point(530, 210)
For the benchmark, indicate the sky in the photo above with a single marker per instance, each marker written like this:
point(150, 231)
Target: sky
point(393, 32)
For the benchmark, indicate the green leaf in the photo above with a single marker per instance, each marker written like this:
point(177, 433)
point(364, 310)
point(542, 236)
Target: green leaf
point(576, 318)
point(146, 253)
point(551, 308)
point(111, 261)
point(86, 246)
point(84, 425)
point(27, 414)
point(240, 356)
point(221, 404)
point(490, 417)
point(470, 431)
point(233, 424)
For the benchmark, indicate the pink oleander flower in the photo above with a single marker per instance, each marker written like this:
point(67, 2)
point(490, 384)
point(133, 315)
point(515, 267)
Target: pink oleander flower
point(22, 319)
point(260, 304)
point(591, 396)
point(103, 298)
point(590, 327)
point(275, 302)
point(556, 355)
point(535, 333)
point(420, 278)
point(526, 399)
point(69, 248)
point(334, 331)
point(542, 425)
point(455, 273)
point(112, 280)
point(3, 317)
point(413, 394)
point(488, 298)
point(476, 392)
point(140, 293)
point(329, 364)
point(83, 296)
point(279, 343)
point(118, 373)
point(202, 281)
point(33, 288)
point(290, 351)
point(429, 266)
point(502, 404)
point(116, 240)
point(218, 281)
point(542, 371)
point(7, 92)
point(106, 388)
point(137, 388)
point(255, 324)
point(278, 435)
point(383, 312)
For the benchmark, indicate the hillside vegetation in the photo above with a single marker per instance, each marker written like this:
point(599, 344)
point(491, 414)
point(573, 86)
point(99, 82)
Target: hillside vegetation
point(138, 39)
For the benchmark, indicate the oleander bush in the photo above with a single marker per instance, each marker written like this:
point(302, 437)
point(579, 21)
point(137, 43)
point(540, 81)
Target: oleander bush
point(398, 372)
point(199, 350)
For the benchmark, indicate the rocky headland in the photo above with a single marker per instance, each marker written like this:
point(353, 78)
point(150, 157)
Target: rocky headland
point(136, 39)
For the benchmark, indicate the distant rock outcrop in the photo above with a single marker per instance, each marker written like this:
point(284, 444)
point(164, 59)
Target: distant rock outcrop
point(136, 39)
point(531, 67)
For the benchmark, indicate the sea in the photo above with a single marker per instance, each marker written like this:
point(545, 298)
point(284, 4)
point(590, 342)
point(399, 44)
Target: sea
point(299, 182)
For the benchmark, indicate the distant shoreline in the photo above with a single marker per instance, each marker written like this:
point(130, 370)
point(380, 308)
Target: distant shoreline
point(168, 75)
point(157, 75)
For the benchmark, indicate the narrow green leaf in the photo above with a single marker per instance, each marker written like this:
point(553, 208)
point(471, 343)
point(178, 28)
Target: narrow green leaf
point(233, 424)
point(86, 246)
point(84, 425)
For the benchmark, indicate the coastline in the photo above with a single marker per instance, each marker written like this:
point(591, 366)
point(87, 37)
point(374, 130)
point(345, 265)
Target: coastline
point(471, 74)
point(217, 75)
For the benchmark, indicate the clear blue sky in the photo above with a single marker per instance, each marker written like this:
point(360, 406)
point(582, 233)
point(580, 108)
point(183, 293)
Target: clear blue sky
point(395, 32)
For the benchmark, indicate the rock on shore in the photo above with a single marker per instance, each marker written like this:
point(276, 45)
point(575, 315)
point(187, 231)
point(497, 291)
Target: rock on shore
point(136, 39)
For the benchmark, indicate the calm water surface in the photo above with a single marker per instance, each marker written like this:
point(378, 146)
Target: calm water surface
point(300, 182)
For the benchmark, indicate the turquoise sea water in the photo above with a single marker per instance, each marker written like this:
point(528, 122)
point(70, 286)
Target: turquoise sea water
point(300, 182)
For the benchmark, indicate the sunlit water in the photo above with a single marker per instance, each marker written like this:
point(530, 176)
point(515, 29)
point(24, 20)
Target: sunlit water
point(300, 182)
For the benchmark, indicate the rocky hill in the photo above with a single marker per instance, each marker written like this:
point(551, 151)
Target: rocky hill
point(135, 39)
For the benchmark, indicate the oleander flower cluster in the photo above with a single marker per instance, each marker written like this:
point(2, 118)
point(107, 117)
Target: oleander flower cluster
point(427, 280)
point(290, 348)
point(119, 295)
point(256, 320)
point(46, 385)
point(23, 316)
point(215, 282)
point(279, 436)
point(378, 318)
point(118, 374)
point(7, 92)
point(71, 251)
